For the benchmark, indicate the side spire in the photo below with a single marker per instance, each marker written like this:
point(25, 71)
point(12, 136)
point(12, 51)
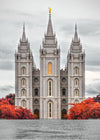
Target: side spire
point(49, 28)
point(76, 35)
point(76, 46)
point(24, 35)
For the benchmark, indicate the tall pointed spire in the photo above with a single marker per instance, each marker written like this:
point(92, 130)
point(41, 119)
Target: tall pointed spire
point(49, 28)
point(76, 35)
point(49, 40)
point(23, 35)
point(76, 45)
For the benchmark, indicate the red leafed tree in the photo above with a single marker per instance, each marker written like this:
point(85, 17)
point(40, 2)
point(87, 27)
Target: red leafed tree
point(11, 98)
point(9, 111)
point(87, 109)
point(97, 98)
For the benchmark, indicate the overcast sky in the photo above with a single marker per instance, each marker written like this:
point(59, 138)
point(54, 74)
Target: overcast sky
point(34, 13)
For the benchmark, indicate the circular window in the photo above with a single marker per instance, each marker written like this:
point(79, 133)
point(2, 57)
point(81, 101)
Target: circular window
point(63, 101)
point(36, 101)
point(35, 79)
point(63, 79)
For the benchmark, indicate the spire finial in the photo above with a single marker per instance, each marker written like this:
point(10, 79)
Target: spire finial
point(75, 27)
point(23, 27)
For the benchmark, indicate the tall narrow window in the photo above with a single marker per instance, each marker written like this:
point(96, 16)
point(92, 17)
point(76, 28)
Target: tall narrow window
point(50, 109)
point(36, 92)
point(76, 92)
point(23, 70)
point(63, 113)
point(23, 82)
point(76, 71)
point(36, 112)
point(49, 87)
point(49, 68)
point(23, 103)
point(76, 82)
point(23, 92)
point(63, 92)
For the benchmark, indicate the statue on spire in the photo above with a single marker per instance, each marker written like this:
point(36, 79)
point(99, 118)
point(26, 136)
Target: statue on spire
point(49, 10)
point(49, 28)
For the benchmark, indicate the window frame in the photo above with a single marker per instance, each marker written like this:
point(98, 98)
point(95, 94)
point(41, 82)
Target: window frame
point(50, 109)
point(23, 94)
point(76, 71)
point(23, 82)
point(23, 70)
point(50, 89)
point(76, 93)
point(23, 103)
point(36, 90)
point(63, 90)
point(49, 68)
point(76, 82)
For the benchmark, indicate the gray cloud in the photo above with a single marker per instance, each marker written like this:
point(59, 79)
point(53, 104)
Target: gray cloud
point(93, 57)
point(7, 65)
point(89, 27)
point(92, 68)
point(93, 89)
point(86, 27)
point(5, 90)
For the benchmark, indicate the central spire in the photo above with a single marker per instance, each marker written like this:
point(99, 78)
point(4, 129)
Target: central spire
point(49, 40)
point(49, 28)
point(23, 35)
point(76, 35)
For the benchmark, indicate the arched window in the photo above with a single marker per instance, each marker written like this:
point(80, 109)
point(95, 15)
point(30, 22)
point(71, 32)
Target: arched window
point(36, 112)
point(63, 113)
point(23, 103)
point(76, 101)
point(36, 92)
point(76, 71)
point(49, 68)
point(23, 70)
point(23, 82)
point(63, 92)
point(23, 92)
point(76, 92)
point(76, 82)
point(49, 87)
point(50, 109)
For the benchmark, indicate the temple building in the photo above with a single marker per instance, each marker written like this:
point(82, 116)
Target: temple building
point(48, 91)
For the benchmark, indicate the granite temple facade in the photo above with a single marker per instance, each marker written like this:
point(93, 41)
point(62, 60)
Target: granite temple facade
point(48, 91)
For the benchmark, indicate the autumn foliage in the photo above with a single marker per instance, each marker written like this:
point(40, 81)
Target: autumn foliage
point(9, 111)
point(87, 109)
point(97, 98)
point(11, 99)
